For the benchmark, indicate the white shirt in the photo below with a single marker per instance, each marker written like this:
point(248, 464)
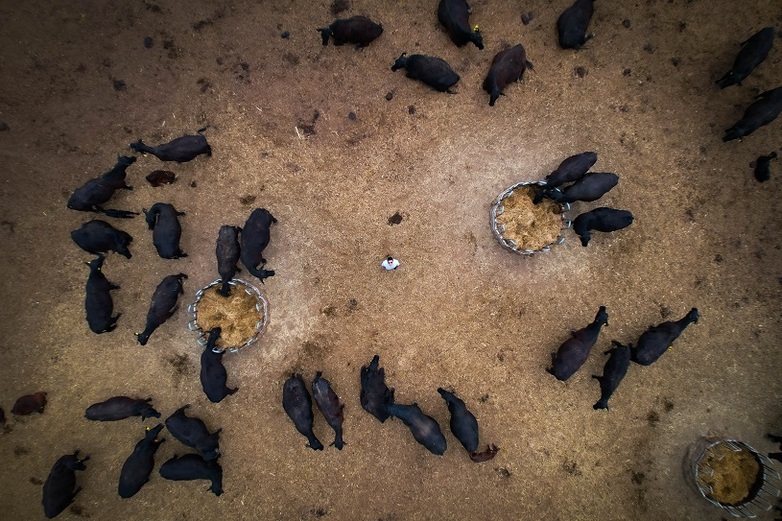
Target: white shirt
point(390, 265)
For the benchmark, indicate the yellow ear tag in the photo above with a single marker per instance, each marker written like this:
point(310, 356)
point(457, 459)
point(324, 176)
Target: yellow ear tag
point(475, 29)
point(148, 429)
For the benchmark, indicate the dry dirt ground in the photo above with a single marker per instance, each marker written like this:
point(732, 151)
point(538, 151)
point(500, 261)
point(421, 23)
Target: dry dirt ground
point(78, 85)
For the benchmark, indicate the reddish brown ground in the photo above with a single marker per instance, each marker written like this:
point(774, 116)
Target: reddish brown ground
point(461, 312)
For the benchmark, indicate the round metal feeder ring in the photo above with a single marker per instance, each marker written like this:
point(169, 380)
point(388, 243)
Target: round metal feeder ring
point(498, 208)
point(714, 459)
point(261, 306)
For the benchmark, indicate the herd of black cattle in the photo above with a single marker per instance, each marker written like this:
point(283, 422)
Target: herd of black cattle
point(509, 65)
point(99, 237)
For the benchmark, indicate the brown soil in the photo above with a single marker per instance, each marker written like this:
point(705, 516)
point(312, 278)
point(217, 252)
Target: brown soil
point(236, 315)
point(530, 226)
point(734, 473)
point(79, 84)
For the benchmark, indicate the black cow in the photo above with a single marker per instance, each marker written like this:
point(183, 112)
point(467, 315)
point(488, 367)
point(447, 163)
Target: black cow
point(571, 169)
point(166, 230)
point(92, 194)
point(193, 466)
point(193, 433)
point(463, 423)
point(137, 468)
point(121, 407)
point(431, 70)
point(98, 302)
point(29, 403)
point(298, 406)
point(181, 149)
point(375, 394)
point(425, 429)
point(591, 187)
point(255, 237)
point(228, 252)
point(213, 373)
point(465, 427)
point(506, 67)
point(572, 25)
point(328, 403)
point(754, 50)
point(763, 167)
point(359, 30)
point(658, 339)
point(572, 354)
point(613, 372)
point(454, 15)
point(163, 305)
point(2, 419)
point(58, 491)
point(601, 219)
point(99, 237)
point(762, 111)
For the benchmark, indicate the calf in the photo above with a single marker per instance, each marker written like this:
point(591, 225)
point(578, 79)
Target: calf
point(486, 455)
point(328, 403)
point(181, 149)
point(763, 167)
point(571, 169)
point(601, 219)
point(119, 408)
point(572, 25)
point(375, 394)
point(228, 252)
point(298, 406)
point(613, 372)
point(255, 238)
point(98, 302)
point(465, 427)
point(58, 491)
point(213, 373)
point(137, 468)
point(99, 237)
point(90, 196)
point(762, 111)
point(572, 354)
point(425, 429)
point(163, 305)
point(193, 466)
point(433, 71)
point(359, 30)
point(591, 187)
point(166, 230)
point(658, 339)
point(506, 67)
point(754, 50)
point(30, 403)
point(161, 177)
point(454, 15)
point(193, 433)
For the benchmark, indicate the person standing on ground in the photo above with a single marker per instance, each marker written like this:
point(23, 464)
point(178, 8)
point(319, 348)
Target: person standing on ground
point(390, 263)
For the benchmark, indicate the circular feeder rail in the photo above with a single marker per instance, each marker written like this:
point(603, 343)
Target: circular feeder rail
point(762, 495)
point(498, 209)
point(262, 306)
